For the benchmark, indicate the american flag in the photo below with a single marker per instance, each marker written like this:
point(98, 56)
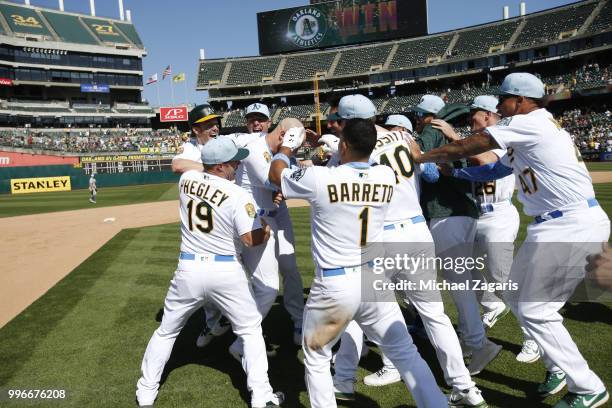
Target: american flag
point(167, 72)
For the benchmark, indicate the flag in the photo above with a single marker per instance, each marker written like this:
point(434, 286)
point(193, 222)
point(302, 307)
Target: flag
point(167, 72)
point(152, 79)
point(178, 77)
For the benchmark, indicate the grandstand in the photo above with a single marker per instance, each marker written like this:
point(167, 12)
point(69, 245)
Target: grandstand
point(457, 65)
point(60, 69)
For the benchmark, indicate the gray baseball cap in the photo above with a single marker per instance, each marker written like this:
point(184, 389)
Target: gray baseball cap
point(399, 120)
point(429, 104)
point(257, 108)
point(522, 84)
point(485, 102)
point(356, 107)
point(222, 150)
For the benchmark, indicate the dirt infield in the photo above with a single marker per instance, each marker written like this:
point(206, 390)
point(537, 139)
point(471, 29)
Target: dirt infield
point(601, 176)
point(39, 250)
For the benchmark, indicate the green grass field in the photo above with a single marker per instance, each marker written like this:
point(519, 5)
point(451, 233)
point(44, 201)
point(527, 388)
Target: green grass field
point(24, 204)
point(87, 335)
point(599, 166)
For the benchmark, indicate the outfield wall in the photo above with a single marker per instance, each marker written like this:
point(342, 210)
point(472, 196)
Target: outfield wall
point(79, 179)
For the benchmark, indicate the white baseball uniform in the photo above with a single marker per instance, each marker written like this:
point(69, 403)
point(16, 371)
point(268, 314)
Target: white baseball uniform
point(348, 209)
point(496, 230)
point(569, 224)
point(214, 214)
point(93, 189)
point(190, 150)
point(278, 254)
point(404, 223)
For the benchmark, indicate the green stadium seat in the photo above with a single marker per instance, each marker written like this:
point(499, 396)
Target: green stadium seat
point(69, 28)
point(130, 32)
point(105, 30)
point(24, 20)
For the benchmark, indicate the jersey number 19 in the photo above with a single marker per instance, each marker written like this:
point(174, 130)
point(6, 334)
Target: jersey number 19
point(200, 216)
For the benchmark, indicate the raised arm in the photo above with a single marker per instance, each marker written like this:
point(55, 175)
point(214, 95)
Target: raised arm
point(478, 143)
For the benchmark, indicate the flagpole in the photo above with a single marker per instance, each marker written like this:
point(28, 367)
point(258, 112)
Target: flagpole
point(185, 85)
point(172, 91)
point(157, 88)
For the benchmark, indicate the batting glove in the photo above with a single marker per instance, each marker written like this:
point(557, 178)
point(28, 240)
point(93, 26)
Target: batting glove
point(294, 137)
point(330, 143)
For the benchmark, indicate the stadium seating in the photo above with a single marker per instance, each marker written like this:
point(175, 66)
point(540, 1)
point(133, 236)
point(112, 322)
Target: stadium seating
point(69, 28)
point(211, 71)
point(359, 60)
point(252, 70)
point(603, 21)
point(133, 108)
point(415, 52)
point(548, 26)
point(479, 40)
point(401, 104)
point(91, 108)
point(306, 65)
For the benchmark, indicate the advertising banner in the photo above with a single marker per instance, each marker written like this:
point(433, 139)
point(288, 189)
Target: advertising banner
point(39, 185)
point(173, 114)
point(88, 88)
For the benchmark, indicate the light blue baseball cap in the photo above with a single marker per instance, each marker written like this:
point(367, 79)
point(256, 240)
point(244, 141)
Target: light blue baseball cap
point(257, 108)
point(522, 84)
point(222, 150)
point(485, 102)
point(356, 107)
point(399, 120)
point(429, 104)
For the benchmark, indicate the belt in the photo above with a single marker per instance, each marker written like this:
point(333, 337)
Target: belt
point(490, 207)
point(592, 202)
point(269, 213)
point(206, 257)
point(400, 224)
point(326, 273)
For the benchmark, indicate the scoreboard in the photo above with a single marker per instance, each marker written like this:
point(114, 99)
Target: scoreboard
point(136, 163)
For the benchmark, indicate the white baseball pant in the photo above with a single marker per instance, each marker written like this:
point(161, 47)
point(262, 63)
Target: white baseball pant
point(225, 285)
point(265, 261)
point(547, 268)
point(495, 235)
point(333, 302)
point(429, 305)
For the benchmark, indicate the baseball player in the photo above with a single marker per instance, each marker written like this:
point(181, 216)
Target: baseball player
point(452, 215)
point(214, 213)
point(93, 189)
point(556, 189)
point(348, 208)
point(398, 122)
point(404, 223)
point(498, 224)
point(258, 118)
point(278, 254)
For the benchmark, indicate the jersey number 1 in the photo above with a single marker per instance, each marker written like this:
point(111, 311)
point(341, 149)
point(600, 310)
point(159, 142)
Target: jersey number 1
point(363, 216)
point(203, 215)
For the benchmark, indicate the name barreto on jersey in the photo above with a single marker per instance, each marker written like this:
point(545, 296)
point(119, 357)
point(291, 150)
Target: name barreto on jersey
point(206, 192)
point(359, 193)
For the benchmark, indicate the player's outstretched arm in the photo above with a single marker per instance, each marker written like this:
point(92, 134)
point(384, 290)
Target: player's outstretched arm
point(180, 166)
point(460, 149)
point(256, 237)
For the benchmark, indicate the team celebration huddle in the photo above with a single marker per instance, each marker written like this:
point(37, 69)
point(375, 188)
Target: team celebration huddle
point(379, 193)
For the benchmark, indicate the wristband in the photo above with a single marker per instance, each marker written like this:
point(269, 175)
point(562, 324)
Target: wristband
point(283, 157)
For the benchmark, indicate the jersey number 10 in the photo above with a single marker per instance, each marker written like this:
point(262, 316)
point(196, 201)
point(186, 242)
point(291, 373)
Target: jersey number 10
point(201, 216)
point(400, 162)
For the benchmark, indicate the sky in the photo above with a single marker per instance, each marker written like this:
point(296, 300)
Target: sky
point(174, 31)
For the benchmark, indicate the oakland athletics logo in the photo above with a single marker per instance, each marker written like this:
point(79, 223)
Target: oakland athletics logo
point(307, 27)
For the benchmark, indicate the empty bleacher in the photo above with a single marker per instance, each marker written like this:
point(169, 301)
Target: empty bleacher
point(306, 65)
point(252, 70)
point(401, 104)
point(548, 27)
point(360, 60)
point(416, 52)
point(480, 40)
point(211, 71)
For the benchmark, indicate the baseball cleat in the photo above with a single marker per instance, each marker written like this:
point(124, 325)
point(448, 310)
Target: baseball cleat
point(204, 338)
point(275, 401)
point(222, 326)
point(530, 353)
point(490, 318)
point(297, 336)
point(472, 397)
point(384, 376)
point(571, 400)
point(344, 390)
point(553, 383)
point(483, 356)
